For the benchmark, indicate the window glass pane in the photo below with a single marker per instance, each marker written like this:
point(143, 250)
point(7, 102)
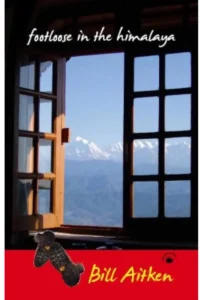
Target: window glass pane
point(44, 196)
point(178, 112)
point(27, 75)
point(26, 113)
point(145, 157)
point(177, 199)
point(145, 118)
point(45, 156)
point(45, 117)
point(145, 203)
point(46, 77)
point(25, 199)
point(178, 70)
point(25, 155)
point(178, 155)
point(146, 73)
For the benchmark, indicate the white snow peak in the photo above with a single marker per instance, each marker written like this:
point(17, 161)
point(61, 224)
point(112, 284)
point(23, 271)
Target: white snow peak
point(83, 149)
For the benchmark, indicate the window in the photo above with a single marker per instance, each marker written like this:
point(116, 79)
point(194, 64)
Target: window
point(40, 148)
point(160, 143)
point(156, 183)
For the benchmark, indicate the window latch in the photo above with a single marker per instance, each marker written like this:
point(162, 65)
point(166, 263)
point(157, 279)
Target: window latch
point(65, 135)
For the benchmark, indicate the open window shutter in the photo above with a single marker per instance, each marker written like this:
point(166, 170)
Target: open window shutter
point(40, 198)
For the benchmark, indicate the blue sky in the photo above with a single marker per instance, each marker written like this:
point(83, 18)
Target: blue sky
point(95, 95)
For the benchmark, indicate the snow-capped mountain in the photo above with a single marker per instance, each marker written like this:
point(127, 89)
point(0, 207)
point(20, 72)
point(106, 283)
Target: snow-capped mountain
point(177, 152)
point(144, 151)
point(82, 149)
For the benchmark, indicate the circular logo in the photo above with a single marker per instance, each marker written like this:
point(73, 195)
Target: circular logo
point(169, 257)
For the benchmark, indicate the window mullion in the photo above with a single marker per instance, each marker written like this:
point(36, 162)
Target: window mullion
point(128, 141)
point(36, 140)
point(161, 151)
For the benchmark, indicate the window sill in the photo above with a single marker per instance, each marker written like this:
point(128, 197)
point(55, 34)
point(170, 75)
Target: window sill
point(81, 241)
point(80, 237)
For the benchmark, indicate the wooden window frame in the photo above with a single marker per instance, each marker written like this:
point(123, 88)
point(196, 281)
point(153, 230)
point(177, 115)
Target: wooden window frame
point(55, 217)
point(172, 229)
point(129, 223)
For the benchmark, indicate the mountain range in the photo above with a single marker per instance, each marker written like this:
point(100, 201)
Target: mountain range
point(177, 152)
point(82, 149)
